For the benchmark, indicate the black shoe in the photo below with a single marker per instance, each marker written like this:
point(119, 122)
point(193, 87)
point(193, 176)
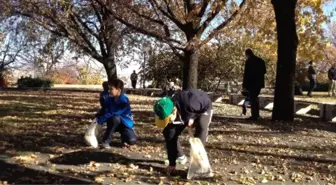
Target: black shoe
point(252, 118)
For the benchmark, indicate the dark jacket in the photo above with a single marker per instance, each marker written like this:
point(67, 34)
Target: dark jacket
point(254, 73)
point(103, 97)
point(311, 72)
point(134, 77)
point(332, 74)
point(191, 103)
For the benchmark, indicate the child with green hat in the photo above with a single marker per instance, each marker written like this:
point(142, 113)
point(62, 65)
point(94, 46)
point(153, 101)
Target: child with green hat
point(193, 108)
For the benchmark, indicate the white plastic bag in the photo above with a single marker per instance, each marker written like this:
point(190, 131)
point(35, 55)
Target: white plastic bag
point(199, 162)
point(90, 135)
point(99, 131)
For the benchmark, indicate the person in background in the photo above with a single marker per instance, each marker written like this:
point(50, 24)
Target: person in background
point(298, 89)
point(118, 116)
point(332, 78)
point(104, 94)
point(254, 80)
point(191, 108)
point(311, 78)
point(134, 79)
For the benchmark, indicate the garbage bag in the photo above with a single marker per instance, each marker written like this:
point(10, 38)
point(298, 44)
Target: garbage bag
point(99, 131)
point(199, 162)
point(90, 135)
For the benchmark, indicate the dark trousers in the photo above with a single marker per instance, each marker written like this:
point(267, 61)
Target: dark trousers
point(172, 132)
point(312, 85)
point(245, 104)
point(114, 124)
point(254, 101)
point(134, 82)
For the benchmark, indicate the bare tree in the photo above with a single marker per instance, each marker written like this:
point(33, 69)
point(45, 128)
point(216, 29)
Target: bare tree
point(86, 24)
point(13, 46)
point(183, 25)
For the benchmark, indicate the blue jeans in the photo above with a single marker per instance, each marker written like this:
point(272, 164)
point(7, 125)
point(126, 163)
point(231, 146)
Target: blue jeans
point(312, 85)
point(114, 124)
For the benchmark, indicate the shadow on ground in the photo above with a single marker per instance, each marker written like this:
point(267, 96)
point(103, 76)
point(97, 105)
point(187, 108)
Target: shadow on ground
point(13, 173)
point(84, 157)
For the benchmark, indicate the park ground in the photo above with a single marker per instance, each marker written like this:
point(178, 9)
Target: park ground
point(42, 141)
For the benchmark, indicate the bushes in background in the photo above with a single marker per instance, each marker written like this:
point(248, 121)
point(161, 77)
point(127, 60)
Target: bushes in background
point(320, 87)
point(34, 82)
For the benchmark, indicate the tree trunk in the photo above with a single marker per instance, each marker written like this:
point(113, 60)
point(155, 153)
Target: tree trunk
point(190, 65)
point(110, 68)
point(287, 46)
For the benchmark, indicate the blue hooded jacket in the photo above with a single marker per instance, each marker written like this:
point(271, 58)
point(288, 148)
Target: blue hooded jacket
point(102, 98)
point(121, 108)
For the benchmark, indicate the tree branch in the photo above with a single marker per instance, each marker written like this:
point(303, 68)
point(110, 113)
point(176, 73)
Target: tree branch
point(168, 14)
point(140, 29)
point(160, 22)
point(204, 7)
point(83, 36)
point(99, 39)
point(187, 6)
point(221, 26)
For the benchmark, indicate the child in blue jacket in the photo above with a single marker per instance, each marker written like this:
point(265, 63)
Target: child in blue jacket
point(104, 94)
point(118, 115)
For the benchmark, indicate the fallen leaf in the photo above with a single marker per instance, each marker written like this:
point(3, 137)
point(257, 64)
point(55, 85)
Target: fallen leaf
point(264, 180)
point(99, 180)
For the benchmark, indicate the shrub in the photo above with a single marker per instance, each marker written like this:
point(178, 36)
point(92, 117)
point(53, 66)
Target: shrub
point(320, 87)
point(34, 82)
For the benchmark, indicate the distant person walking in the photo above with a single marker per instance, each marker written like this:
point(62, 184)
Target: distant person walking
point(134, 79)
point(332, 78)
point(254, 80)
point(312, 78)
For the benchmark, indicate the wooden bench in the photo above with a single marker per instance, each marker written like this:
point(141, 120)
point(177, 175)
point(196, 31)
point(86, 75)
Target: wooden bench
point(216, 97)
point(302, 108)
point(267, 103)
point(236, 99)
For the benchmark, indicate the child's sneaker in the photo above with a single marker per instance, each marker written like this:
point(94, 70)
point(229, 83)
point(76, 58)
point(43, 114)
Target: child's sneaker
point(106, 145)
point(180, 160)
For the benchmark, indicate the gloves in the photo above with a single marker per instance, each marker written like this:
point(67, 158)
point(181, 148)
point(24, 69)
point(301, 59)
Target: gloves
point(102, 119)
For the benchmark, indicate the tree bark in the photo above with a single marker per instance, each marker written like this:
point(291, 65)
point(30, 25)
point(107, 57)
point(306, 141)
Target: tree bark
point(110, 68)
point(190, 66)
point(287, 46)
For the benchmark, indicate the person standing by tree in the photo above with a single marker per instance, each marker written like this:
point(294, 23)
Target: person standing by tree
point(254, 80)
point(134, 79)
point(312, 78)
point(332, 78)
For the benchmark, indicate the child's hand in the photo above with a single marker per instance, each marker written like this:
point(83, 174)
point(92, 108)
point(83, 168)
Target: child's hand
point(190, 123)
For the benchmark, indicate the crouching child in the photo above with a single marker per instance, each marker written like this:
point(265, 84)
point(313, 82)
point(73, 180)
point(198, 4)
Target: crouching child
point(118, 116)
